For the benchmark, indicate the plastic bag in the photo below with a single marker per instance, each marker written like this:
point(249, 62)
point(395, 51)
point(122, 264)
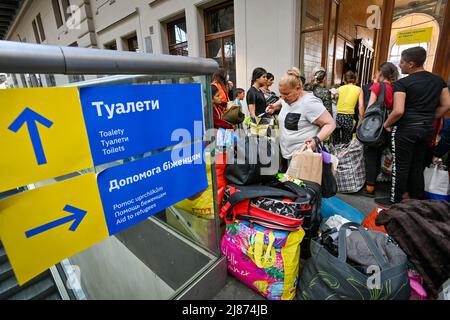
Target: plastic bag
point(437, 185)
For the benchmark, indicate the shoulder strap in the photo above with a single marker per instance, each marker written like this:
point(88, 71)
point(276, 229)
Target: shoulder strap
point(382, 93)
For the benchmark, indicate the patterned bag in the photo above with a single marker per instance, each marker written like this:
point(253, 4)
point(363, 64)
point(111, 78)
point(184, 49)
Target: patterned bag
point(351, 171)
point(265, 260)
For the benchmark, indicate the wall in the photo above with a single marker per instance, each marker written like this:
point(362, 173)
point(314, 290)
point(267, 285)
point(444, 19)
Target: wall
point(268, 36)
point(267, 33)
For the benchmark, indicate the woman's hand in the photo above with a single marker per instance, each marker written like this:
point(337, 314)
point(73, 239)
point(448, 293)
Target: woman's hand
point(388, 129)
point(437, 161)
point(270, 109)
point(311, 143)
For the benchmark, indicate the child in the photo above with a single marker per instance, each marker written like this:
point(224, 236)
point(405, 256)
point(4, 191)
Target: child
point(240, 95)
point(218, 110)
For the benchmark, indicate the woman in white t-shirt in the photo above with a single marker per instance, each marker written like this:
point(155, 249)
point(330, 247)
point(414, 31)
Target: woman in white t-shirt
point(303, 117)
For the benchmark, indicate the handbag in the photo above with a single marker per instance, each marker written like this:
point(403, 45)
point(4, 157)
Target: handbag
point(329, 184)
point(266, 260)
point(371, 131)
point(233, 114)
point(327, 277)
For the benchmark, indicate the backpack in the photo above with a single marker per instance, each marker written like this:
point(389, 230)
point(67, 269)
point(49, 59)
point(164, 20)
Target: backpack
point(371, 131)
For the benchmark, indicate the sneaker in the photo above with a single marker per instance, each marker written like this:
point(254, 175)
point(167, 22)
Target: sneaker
point(384, 202)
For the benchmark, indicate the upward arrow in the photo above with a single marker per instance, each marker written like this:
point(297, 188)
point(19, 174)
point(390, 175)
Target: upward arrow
point(31, 118)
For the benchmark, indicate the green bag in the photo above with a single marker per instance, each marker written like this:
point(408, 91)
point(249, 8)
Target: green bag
point(326, 277)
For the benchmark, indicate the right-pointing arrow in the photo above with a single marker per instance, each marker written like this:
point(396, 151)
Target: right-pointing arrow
point(77, 216)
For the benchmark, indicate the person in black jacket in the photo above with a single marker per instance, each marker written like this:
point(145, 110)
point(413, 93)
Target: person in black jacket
point(418, 100)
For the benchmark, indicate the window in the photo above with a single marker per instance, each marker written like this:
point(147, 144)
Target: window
point(132, 44)
point(65, 7)
point(36, 33)
point(38, 29)
point(40, 26)
point(177, 34)
point(220, 42)
point(111, 45)
point(57, 12)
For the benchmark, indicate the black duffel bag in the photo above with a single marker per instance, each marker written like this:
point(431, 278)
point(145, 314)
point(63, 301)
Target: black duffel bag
point(371, 131)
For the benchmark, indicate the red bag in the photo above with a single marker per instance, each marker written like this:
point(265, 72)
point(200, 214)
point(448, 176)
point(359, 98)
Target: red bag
point(369, 221)
point(267, 206)
point(221, 164)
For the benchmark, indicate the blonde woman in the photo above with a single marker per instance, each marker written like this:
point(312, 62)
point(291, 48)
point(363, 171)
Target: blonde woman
point(303, 117)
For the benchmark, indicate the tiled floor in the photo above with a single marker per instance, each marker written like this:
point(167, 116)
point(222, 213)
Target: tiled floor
point(235, 290)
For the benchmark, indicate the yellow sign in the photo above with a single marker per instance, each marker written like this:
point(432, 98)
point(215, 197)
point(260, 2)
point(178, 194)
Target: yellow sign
point(412, 36)
point(41, 227)
point(42, 135)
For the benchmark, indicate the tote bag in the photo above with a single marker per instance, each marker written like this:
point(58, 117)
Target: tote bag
point(436, 183)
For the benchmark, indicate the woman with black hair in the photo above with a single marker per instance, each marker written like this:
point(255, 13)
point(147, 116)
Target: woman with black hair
point(256, 101)
point(418, 99)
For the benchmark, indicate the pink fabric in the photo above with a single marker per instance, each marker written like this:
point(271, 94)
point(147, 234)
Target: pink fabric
point(417, 290)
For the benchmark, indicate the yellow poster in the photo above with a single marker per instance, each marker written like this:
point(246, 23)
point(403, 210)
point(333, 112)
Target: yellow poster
point(412, 36)
point(42, 227)
point(42, 135)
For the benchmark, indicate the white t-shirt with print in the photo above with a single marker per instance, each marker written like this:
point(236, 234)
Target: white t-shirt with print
point(297, 123)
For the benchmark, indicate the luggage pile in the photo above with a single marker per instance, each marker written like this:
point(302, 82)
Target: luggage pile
point(288, 237)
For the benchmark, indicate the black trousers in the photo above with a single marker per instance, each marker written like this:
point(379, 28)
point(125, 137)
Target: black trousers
point(409, 148)
point(373, 163)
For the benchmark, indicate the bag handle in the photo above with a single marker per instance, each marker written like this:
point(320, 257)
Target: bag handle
point(369, 241)
point(259, 244)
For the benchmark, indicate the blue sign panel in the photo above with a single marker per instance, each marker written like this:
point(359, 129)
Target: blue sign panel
point(136, 190)
point(125, 121)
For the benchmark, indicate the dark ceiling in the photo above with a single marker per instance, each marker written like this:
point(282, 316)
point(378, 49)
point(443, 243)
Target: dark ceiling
point(8, 10)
